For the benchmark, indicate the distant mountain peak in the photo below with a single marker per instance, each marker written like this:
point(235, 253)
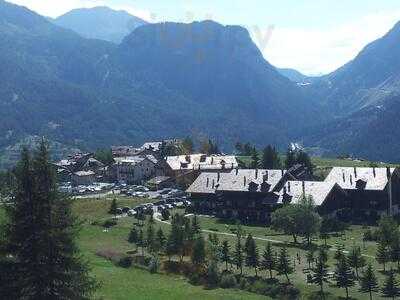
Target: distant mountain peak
point(100, 22)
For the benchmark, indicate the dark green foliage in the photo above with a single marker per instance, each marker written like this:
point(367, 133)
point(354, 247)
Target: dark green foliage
point(343, 275)
point(270, 158)
point(41, 235)
point(165, 214)
point(238, 256)
point(225, 253)
point(252, 255)
point(290, 159)
point(320, 272)
point(113, 207)
point(228, 281)
point(196, 228)
point(212, 274)
point(388, 230)
point(356, 260)
point(199, 252)
point(105, 156)
point(382, 254)
point(160, 240)
point(125, 262)
point(154, 265)
point(368, 281)
point(150, 238)
point(391, 286)
point(284, 266)
point(268, 260)
point(310, 257)
point(133, 235)
point(255, 160)
point(110, 223)
point(339, 252)
point(187, 145)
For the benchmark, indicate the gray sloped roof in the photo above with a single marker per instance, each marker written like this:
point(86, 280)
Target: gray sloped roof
point(347, 178)
point(202, 162)
point(235, 180)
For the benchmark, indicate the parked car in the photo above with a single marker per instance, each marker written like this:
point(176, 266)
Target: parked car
point(126, 209)
point(119, 211)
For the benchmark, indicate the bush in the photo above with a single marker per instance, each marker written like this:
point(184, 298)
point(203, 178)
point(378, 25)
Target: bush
point(195, 278)
point(243, 284)
point(228, 281)
point(370, 235)
point(125, 262)
point(154, 265)
point(165, 215)
point(289, 292)
point(258, 287)
point(109, 223)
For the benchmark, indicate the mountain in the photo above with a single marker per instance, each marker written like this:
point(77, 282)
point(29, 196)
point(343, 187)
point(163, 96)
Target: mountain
point(364, 98)
point(163, 80)
point(293, 75)
point(100, 23)
point(368, 80)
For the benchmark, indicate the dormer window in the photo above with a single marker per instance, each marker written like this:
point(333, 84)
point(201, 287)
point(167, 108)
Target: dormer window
point(361, 184)
point(253, 187)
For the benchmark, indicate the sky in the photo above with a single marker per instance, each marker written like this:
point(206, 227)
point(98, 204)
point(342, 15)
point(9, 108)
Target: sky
point(314, 37)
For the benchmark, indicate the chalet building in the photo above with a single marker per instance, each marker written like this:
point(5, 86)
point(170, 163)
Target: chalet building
point(370, 191)
point(352, 194)
point(160, 182)
point(148, 148)
point(134, 169)
point(247, 195)
point(83, 178)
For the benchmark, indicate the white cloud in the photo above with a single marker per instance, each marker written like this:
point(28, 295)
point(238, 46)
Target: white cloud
point(322, 51)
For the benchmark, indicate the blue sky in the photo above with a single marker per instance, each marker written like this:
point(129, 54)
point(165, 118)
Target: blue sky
point(311, 36)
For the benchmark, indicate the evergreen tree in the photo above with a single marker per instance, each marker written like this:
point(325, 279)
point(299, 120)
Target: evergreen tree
point(290, 159)
point(199, 252)
point(268, 260)
point(323, 254)
point(113, 207)
point(41, 235)
point(196, 228)
point(310, 257)
point(252, 255)
point(225, 253)
point(238, 254)
point(255, 160)
point(368, 281)
point(395, 251)
point(150, 238)
point(160, 239)
point(188, 146)
point(320, 273)
point(391, 287)
point(270, 158)
point(141, 241)
point(343, 275)
point(356, 260)
point(133, 236)
point(382, 254)
point(304, 159)
point(284, 266)
point(339, 252)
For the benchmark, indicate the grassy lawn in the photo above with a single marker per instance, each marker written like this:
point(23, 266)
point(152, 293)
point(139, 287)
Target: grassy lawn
point(119, 283)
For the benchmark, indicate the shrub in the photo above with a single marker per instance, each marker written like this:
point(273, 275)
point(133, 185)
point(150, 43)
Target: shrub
point(165, 214)
point(109, 223)
point(214, 229)
point(243, 283)
point(154, 265)
point(258, 287)
point(228, 281)
point(125, 262)
point(289, 292)
point(110, 255)
point(195, 278)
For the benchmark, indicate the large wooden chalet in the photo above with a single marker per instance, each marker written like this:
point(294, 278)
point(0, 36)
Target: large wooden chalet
point(251, 195)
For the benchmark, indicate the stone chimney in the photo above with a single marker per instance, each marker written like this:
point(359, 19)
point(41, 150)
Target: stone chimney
point(344, 177)
point(283, 172)
point(212, 160)
point(244, 181)
point(374, 171)
point(355, 172)
point(213, 183)
point(288, 186)
point(237, 171)
point(351, 179)
point(218, 176)
point(388, 172)
point(265, 177)
point(256, 173)
point(303, 183)
point(208, 182)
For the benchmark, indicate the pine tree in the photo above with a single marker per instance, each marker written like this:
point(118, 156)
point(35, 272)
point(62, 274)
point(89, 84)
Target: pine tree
point(238, 254)
point(270, 158)
point(225, 254)
point(343, 275)
point(255, 160)
point(290, 159)
point(41, 235)
point(150, 238)
point(391, 287)
point(395, 251)
point(310, 257)
point(160, 239)
point(133, 236)
point(268, 260)
point(382, 255)
point(252, 255)
point(320, 273)
point(199, 252)
point(323, 254)
point(339, 252)
point(368, 281)
point(141, 240)
point(113, 207)
point(356, 260)
point(284, 266)
point(196, 228)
